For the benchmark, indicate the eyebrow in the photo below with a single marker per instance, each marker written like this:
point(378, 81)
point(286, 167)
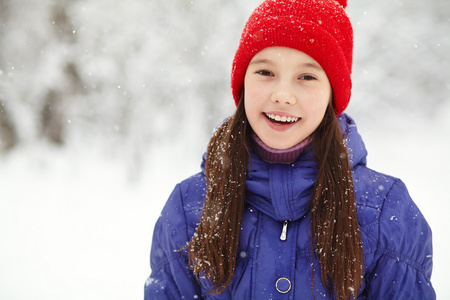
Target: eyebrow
point(311, 65)
point(261, 61)
point(302, 65)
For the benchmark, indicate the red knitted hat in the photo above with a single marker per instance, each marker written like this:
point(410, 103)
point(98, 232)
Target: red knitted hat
point(319, 28)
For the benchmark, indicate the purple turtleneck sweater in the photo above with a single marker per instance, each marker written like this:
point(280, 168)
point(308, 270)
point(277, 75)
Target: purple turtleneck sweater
point(285, 156)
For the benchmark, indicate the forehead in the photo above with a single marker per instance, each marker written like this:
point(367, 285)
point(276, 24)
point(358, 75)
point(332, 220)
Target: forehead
point(274, 55)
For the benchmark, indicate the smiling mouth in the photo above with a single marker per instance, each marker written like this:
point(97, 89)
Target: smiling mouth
point(281, 119)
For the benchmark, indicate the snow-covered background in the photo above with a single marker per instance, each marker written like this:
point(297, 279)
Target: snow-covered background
point(107, 105)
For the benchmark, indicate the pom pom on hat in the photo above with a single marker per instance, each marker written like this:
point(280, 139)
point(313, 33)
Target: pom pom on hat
point(319, 28)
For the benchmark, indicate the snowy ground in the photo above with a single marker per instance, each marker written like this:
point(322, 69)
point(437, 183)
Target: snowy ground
point(74, 226)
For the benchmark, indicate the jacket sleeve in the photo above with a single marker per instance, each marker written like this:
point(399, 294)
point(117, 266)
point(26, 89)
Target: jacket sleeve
point(170, 277)
point(404, 265)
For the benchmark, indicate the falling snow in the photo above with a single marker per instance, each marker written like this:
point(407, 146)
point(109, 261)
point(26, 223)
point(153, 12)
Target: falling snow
point(79, 218)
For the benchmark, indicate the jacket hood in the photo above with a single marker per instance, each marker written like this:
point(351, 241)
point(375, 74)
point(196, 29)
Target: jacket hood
point(283, 191)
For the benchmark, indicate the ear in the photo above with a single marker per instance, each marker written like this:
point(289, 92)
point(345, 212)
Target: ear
point(343, 3)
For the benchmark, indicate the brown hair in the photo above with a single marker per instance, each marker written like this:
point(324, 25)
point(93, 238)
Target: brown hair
point(336, 240)
point(213, 248)
point(334, 224)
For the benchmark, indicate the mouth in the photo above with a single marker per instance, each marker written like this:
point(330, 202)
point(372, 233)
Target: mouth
point(281, 120)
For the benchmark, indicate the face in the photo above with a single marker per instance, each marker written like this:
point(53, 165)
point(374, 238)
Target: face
point(286, 94)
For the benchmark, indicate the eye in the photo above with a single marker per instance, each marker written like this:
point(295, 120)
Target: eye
point(264, 73)
point(307, 77)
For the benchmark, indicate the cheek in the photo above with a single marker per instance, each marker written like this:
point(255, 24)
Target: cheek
point(321, 105)
point(322, 99)
point(250, 109)
point(253, 98)
point(319, 111)
point(317, 107)
point(252, 92)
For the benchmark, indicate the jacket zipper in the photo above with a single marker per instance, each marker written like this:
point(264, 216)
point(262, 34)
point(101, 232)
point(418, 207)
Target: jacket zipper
point(283, 235)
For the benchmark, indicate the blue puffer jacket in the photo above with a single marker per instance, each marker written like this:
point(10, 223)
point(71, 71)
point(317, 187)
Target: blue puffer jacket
point(396, 238)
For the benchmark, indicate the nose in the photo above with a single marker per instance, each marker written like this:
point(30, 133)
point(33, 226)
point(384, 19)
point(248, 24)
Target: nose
point(284, 94)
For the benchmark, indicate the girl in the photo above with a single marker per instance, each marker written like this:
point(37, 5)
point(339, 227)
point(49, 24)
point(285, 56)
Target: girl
point(285, 206)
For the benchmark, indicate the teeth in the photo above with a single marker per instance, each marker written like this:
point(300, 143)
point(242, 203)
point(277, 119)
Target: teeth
point(282, 118)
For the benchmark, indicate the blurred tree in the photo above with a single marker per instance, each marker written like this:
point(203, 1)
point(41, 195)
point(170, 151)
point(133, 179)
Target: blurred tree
point(52, 121)
point(8, 135)
point(54, 99)
point(401, 56)
point(133, 74)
